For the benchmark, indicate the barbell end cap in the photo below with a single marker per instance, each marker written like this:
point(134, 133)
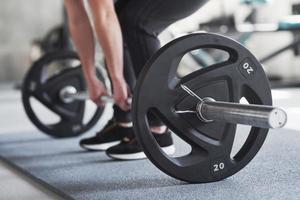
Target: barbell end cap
point(63, 94)
point(277, 118)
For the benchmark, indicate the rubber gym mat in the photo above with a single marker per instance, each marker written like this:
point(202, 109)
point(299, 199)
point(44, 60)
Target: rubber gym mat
point(63, 167)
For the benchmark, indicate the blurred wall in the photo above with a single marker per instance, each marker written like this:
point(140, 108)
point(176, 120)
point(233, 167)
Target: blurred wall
point(20, 23)
point(285, 65)
point(23, 21)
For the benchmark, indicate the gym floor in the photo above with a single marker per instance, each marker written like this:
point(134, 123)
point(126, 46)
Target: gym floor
point(14, 185)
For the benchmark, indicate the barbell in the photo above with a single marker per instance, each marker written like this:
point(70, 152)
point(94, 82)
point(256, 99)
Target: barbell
point(203, 108)
point(208, 110)
point(69, 94)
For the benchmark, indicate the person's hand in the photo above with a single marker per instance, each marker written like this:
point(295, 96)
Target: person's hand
point(121, 94)
point(96, 90)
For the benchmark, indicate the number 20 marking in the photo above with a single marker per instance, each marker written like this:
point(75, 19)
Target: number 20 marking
point(218, 167)
point(248, 68)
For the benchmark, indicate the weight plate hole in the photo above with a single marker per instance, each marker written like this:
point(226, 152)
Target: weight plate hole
point(56, 67)
point(200, 58)
point(89, 112)
point(242, 133)
point(45, 115)
point(180, 147)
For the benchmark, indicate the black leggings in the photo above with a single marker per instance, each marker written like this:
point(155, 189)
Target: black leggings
point(141, 22)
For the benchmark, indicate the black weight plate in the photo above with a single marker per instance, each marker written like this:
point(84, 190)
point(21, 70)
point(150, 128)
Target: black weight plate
point(44, 86)
point(158, 89)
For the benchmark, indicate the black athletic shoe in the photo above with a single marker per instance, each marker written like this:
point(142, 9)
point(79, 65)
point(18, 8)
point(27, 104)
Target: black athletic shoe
point(130, 149)
point(111, 135)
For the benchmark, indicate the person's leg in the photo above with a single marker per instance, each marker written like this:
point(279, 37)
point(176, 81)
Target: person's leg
point(142, 21)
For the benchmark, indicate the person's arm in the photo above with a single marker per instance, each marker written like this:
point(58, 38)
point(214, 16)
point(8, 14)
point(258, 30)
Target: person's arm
point(83, 38)
point(110, 37)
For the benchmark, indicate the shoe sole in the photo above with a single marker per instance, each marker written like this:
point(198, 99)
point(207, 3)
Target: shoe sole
point(170, 150)
point(100, 147)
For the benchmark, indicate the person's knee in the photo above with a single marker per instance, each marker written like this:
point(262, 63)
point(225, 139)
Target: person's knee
point(131, 23)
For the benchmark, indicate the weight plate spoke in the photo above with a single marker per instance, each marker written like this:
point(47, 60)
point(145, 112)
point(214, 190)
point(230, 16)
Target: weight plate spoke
point(56, 109)
point(220, 71)
point(185, 131)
